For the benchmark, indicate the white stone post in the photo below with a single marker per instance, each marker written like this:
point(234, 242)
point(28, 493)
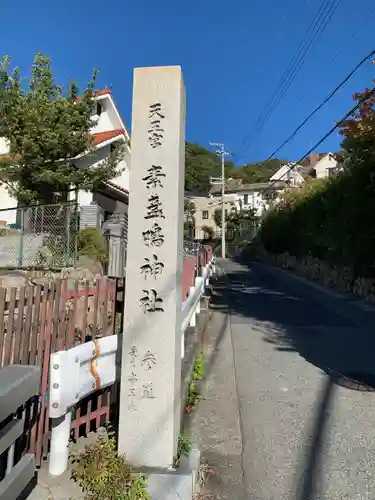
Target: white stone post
point(116, 250)
point(150, 397)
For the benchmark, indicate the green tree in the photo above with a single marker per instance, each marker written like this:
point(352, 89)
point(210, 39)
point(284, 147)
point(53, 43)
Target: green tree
point(200, 165)
point(217, 217)
point(189, 209)
point(47, 130)
point(330, 218)
point(236, 219)
point(258, 172)
point(208, 231)
point(189, 213)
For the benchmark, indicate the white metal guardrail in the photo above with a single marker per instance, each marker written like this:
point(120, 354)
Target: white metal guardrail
point(88, 367)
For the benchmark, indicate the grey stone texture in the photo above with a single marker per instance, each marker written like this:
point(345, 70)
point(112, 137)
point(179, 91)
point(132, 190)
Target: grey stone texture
point(150, 401)
point(305, 435)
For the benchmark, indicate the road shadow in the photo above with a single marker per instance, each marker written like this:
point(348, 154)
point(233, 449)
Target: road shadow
point(293, 318)
point(309, 477)
point(328, 331)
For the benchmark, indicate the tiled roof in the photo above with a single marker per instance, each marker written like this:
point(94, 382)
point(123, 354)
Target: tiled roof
point(241, 187)
point(106, 136)
point(101, 92)
point(98, 93)
point(116, 186)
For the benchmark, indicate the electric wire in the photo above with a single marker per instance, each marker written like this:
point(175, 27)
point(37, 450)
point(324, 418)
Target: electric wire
point(318, 25)
point(329, 133)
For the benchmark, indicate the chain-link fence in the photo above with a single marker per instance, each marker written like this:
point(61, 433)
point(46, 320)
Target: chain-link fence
point(40, 236)
point(191, 247)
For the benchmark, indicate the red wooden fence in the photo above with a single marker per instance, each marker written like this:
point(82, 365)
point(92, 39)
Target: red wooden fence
point(192, 266)
point(38, 320)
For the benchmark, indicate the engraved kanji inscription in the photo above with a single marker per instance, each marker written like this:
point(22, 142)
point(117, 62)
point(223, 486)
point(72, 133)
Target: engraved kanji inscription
point(154, 177)
point(148, 391)
point(154, 207)
point(152, 267)
point(133, 353)
point(132, 406)
point(148, 361)
point(151, 302)
point(154, 236)
point(156, 111)
point(156, 132)
point(133, 378)
point(132, 392)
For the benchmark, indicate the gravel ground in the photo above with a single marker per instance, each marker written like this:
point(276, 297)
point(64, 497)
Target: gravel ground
point(304, 436)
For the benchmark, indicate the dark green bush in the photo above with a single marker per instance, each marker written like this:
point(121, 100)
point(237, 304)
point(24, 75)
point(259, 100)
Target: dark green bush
point(102, 474)
point(329, 219)
point(91, 244)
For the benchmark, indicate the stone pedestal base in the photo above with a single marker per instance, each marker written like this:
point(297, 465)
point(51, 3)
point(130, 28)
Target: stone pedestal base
point(177, 484)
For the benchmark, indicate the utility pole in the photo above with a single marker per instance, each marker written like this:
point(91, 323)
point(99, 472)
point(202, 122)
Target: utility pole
point(220, 150)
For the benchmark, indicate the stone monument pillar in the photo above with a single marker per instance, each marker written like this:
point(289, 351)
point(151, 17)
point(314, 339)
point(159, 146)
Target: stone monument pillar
point(150, 400)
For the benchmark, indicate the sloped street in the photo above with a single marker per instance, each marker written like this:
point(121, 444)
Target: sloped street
point(307, 429)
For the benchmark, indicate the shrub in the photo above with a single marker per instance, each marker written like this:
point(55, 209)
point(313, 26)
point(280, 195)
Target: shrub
point(331, 218)
point(90, 243)
point(102, 474)
point(184, 447)
point(194, 393)
point(198, 369)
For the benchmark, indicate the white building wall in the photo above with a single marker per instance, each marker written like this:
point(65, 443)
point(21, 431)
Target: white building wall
point(251, 200)
point(91, 160)
point(285, 173)
point(4, 146)
point(7, 202)
point(123, 180)
point(104, 122)
point(84, 198)
point(113, 114)
point(323, 166)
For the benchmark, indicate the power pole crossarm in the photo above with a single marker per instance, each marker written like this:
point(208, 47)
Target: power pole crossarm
point(220, 150)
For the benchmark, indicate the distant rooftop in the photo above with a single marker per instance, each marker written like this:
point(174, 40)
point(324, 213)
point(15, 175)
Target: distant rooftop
point(237, 185)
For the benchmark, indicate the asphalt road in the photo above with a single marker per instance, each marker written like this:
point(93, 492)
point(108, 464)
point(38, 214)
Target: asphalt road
point(305, 435)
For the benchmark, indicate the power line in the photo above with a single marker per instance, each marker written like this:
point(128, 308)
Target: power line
point(293, 21)
point(356, 31)
point(289, 68)
point(319, 23)
point(294, 69)
point(330, 132)
point(328, 98)
point(221, 151)
point(353, 34)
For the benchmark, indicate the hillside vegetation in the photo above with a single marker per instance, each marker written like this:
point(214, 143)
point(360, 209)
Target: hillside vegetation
point(331, 219)
point(201, 164)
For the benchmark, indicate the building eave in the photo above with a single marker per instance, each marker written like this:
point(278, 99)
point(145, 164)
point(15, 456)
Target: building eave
point(118, 191)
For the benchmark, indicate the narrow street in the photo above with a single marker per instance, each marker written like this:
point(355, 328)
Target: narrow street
point(307, 429)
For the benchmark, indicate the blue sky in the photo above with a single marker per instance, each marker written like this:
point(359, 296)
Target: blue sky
point(232, 55)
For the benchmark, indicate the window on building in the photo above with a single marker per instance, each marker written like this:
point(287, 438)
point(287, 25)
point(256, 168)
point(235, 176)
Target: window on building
point(99, 109)
point(113, 147)
point(245, 199)
point(204, 214)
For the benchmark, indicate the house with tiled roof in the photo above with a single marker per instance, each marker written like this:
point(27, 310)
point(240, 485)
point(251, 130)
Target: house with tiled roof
point(111, 197)
point(247, 196)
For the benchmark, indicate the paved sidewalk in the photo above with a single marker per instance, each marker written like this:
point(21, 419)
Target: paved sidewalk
point(216, 423)
point(55, 488)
